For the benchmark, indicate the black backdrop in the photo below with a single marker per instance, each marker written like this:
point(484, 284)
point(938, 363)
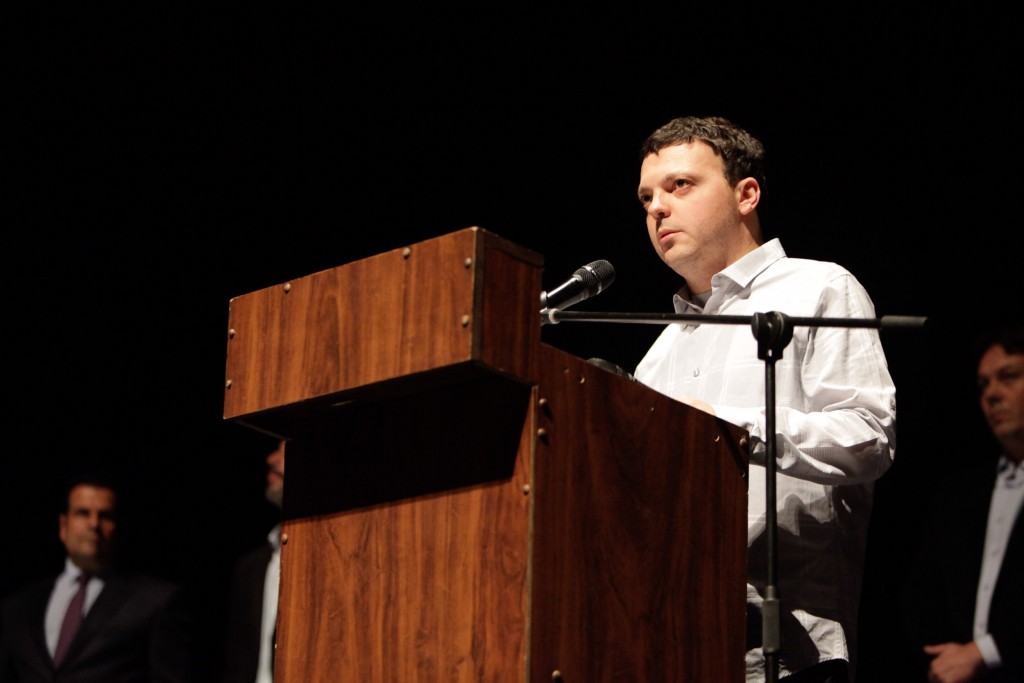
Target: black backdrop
point(166, 159)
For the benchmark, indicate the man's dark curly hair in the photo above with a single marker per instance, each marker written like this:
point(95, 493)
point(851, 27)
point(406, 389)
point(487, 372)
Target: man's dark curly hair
point(742, 154)
point(1009, 336)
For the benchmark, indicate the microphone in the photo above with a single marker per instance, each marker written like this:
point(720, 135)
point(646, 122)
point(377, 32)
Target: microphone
point(611, 367)
point(588, 281)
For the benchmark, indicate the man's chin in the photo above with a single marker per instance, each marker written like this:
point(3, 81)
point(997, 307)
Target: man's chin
point(275, 496)
point(1007, 430)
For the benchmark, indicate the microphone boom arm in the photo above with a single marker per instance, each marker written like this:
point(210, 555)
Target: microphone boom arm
point(553, 316)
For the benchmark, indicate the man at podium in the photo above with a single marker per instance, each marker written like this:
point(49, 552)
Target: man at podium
point(700, 185)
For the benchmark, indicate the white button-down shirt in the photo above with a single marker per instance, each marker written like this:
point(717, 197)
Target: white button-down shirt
point(268, 626)
point(835, 420)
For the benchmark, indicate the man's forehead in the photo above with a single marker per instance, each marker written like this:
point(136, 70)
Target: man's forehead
point(696, 151)
point(996, 358)
point(695, 158)
point(90, 495)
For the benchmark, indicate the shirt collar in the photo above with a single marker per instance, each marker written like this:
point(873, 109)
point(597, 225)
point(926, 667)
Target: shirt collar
point(1011, 474)
point(274, 537)
point(741, 272)
point(71, 572)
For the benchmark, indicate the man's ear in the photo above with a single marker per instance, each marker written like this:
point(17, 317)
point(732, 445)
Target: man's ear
point(748, 195)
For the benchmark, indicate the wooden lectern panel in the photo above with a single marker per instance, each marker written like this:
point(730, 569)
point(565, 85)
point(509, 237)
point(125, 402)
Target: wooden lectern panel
point(426, 587)
point(639, 534)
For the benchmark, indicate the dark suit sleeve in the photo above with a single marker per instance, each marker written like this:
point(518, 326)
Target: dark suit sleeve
point(245, 614)
point(23, 654)
point(172, 647)
point(6, 665)
point(1006, 616)
point(939, 594)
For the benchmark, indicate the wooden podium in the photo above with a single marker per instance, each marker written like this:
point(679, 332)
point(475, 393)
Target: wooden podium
point(465, 503)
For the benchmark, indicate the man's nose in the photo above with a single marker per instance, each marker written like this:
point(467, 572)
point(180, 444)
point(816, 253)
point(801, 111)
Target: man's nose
point(992, 393)
point(657, 207)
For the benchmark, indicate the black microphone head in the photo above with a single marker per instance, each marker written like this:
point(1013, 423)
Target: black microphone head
point(611, 367)
point(587, 281)
point(596, 276)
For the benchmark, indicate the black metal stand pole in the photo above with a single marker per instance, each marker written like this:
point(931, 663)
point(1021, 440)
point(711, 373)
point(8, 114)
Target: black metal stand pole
point(773, 332)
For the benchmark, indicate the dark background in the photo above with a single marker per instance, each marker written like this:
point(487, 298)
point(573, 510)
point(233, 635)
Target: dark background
point(165, 159)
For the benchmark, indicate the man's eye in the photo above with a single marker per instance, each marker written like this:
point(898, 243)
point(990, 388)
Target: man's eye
point(1010, 376)
point(681, 182)
point(645, 199)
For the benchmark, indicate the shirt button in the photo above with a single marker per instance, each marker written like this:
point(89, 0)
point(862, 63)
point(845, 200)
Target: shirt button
point(696, 372)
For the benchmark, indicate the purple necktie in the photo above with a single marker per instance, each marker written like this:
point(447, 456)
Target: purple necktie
point(72, 620)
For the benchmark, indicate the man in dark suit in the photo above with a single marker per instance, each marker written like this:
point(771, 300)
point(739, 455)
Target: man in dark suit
point(252, 608)
point(964, 600)
point(93, 623)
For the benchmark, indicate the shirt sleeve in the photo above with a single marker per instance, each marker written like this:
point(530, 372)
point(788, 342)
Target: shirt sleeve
point(835, 399)
point(989, 651)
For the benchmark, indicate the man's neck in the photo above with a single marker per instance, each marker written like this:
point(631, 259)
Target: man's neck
point(1012, 445)
point(699, 281)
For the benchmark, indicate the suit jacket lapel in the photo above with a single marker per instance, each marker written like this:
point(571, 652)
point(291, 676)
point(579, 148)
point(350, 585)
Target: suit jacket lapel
point(36, 605)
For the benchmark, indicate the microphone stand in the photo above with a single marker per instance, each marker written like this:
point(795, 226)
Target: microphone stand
point(773, 332)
